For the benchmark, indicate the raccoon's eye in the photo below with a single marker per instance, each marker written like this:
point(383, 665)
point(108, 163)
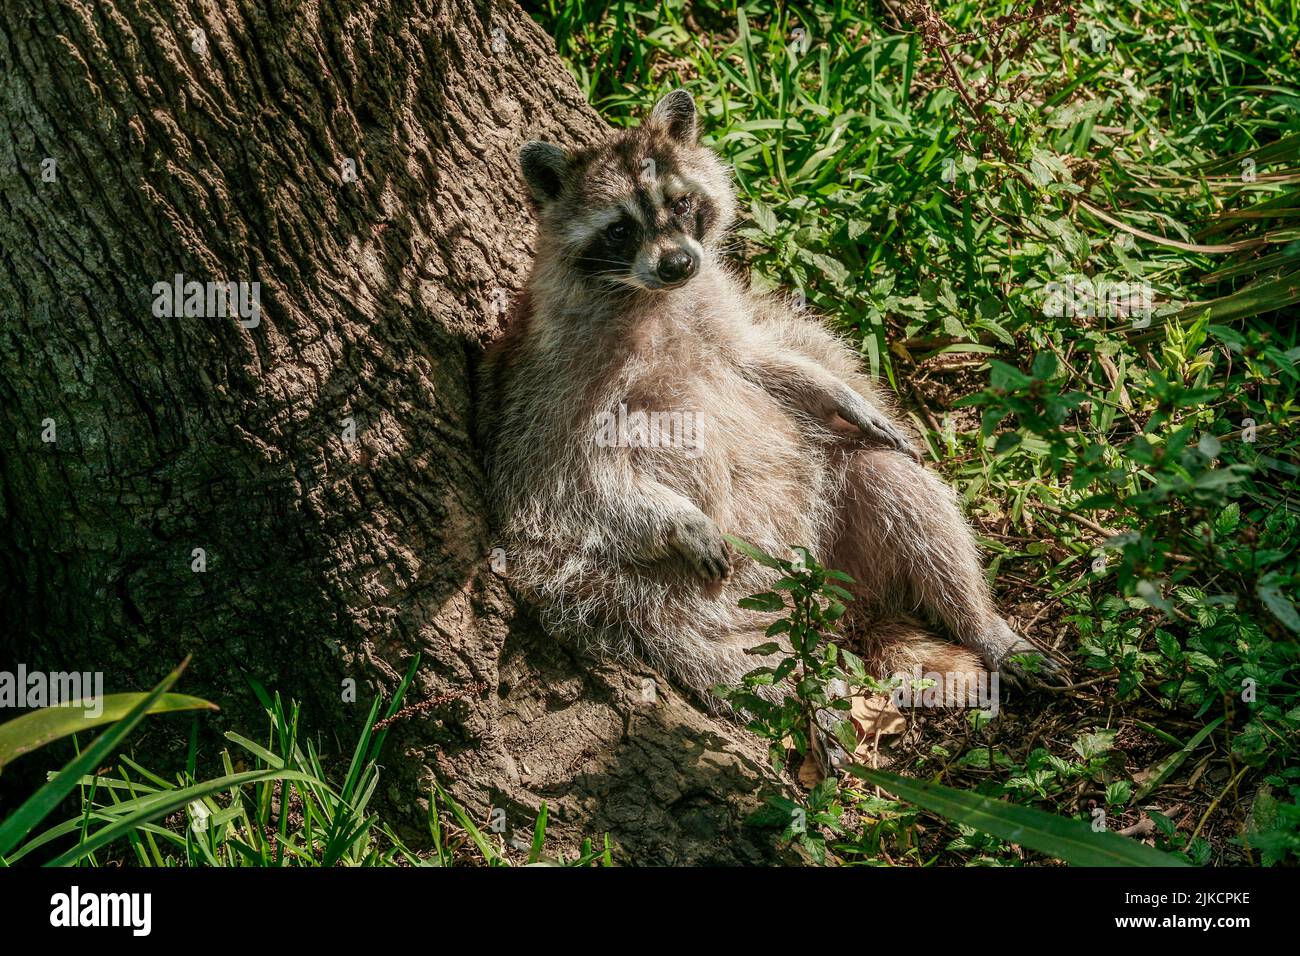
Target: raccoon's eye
point(682, 206)
point(617, 232)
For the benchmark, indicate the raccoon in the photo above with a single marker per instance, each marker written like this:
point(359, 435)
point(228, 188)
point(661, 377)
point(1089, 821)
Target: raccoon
point(643, 402)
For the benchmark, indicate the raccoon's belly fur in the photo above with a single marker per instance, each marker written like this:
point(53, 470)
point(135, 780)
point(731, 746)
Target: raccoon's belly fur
point(756, 469)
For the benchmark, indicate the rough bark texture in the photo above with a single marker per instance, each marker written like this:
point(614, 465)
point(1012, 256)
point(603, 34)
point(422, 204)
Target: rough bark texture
point(223, 157)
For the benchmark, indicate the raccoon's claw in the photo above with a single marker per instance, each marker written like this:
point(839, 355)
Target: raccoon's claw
point(910, 450)
point(702, 547)
point(1020, 677)
point(713, 569)
point(896, 440)
point(875, 426)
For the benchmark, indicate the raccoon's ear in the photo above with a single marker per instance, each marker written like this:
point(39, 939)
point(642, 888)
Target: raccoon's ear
point(676, 113)
point(544, 166)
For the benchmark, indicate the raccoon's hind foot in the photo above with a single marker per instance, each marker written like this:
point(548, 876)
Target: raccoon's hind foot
point(1001, 644)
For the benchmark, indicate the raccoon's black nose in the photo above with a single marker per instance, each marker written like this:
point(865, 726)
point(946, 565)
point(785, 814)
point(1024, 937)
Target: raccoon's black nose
point(676, 266)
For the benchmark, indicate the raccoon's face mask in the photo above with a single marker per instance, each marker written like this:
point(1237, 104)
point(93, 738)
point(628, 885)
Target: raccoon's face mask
point(643, 211)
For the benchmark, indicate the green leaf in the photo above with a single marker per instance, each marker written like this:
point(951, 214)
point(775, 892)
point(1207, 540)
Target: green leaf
point(745, 548)
point(489, 852)
point(1165, 769)
point(838, 591)
point(1168, 645)
point(1118, 793)
point(1279, 605)
point(39, 805)
point(1227, 520)
point(763, 217)
point(40, 727)
point(1094, 744)
point(1044, 365)
point(847, 735)
point(1008, 377)
point(539, 836)
point(1073, 841)
point(767, 601)
point(160, 804)
point(1006, 441)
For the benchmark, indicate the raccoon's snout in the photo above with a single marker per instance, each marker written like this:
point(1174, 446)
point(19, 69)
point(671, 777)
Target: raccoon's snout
point(675, 267)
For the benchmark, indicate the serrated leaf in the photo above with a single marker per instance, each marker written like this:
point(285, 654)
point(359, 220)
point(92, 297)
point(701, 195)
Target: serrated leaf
point(766, 601)
point(764, 218)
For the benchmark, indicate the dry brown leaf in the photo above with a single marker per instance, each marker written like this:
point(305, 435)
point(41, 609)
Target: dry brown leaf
point(877, 715)
point(810, 772)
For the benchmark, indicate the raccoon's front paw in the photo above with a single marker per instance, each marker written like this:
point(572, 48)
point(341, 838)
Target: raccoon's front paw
point(875, 425)
point(699, 542)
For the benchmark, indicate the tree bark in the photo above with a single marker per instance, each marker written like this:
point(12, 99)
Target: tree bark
point(356, 159)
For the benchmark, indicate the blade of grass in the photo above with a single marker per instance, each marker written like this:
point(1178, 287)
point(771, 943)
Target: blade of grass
point(36, 729)
point(41, 803)
point(1073, 841)
point(162, 804)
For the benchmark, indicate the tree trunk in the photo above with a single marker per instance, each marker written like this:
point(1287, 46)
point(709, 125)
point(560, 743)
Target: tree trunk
point(356, 160)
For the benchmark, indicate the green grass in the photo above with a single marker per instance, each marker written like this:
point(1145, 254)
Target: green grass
point(276, 803)
point(960, 200)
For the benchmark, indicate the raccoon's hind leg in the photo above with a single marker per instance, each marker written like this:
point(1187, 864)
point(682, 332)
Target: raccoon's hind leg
point(904, 540)
point(900, 645)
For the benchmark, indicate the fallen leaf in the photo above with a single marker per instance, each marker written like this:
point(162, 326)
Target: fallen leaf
point(877, 715)
point(810, 772)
